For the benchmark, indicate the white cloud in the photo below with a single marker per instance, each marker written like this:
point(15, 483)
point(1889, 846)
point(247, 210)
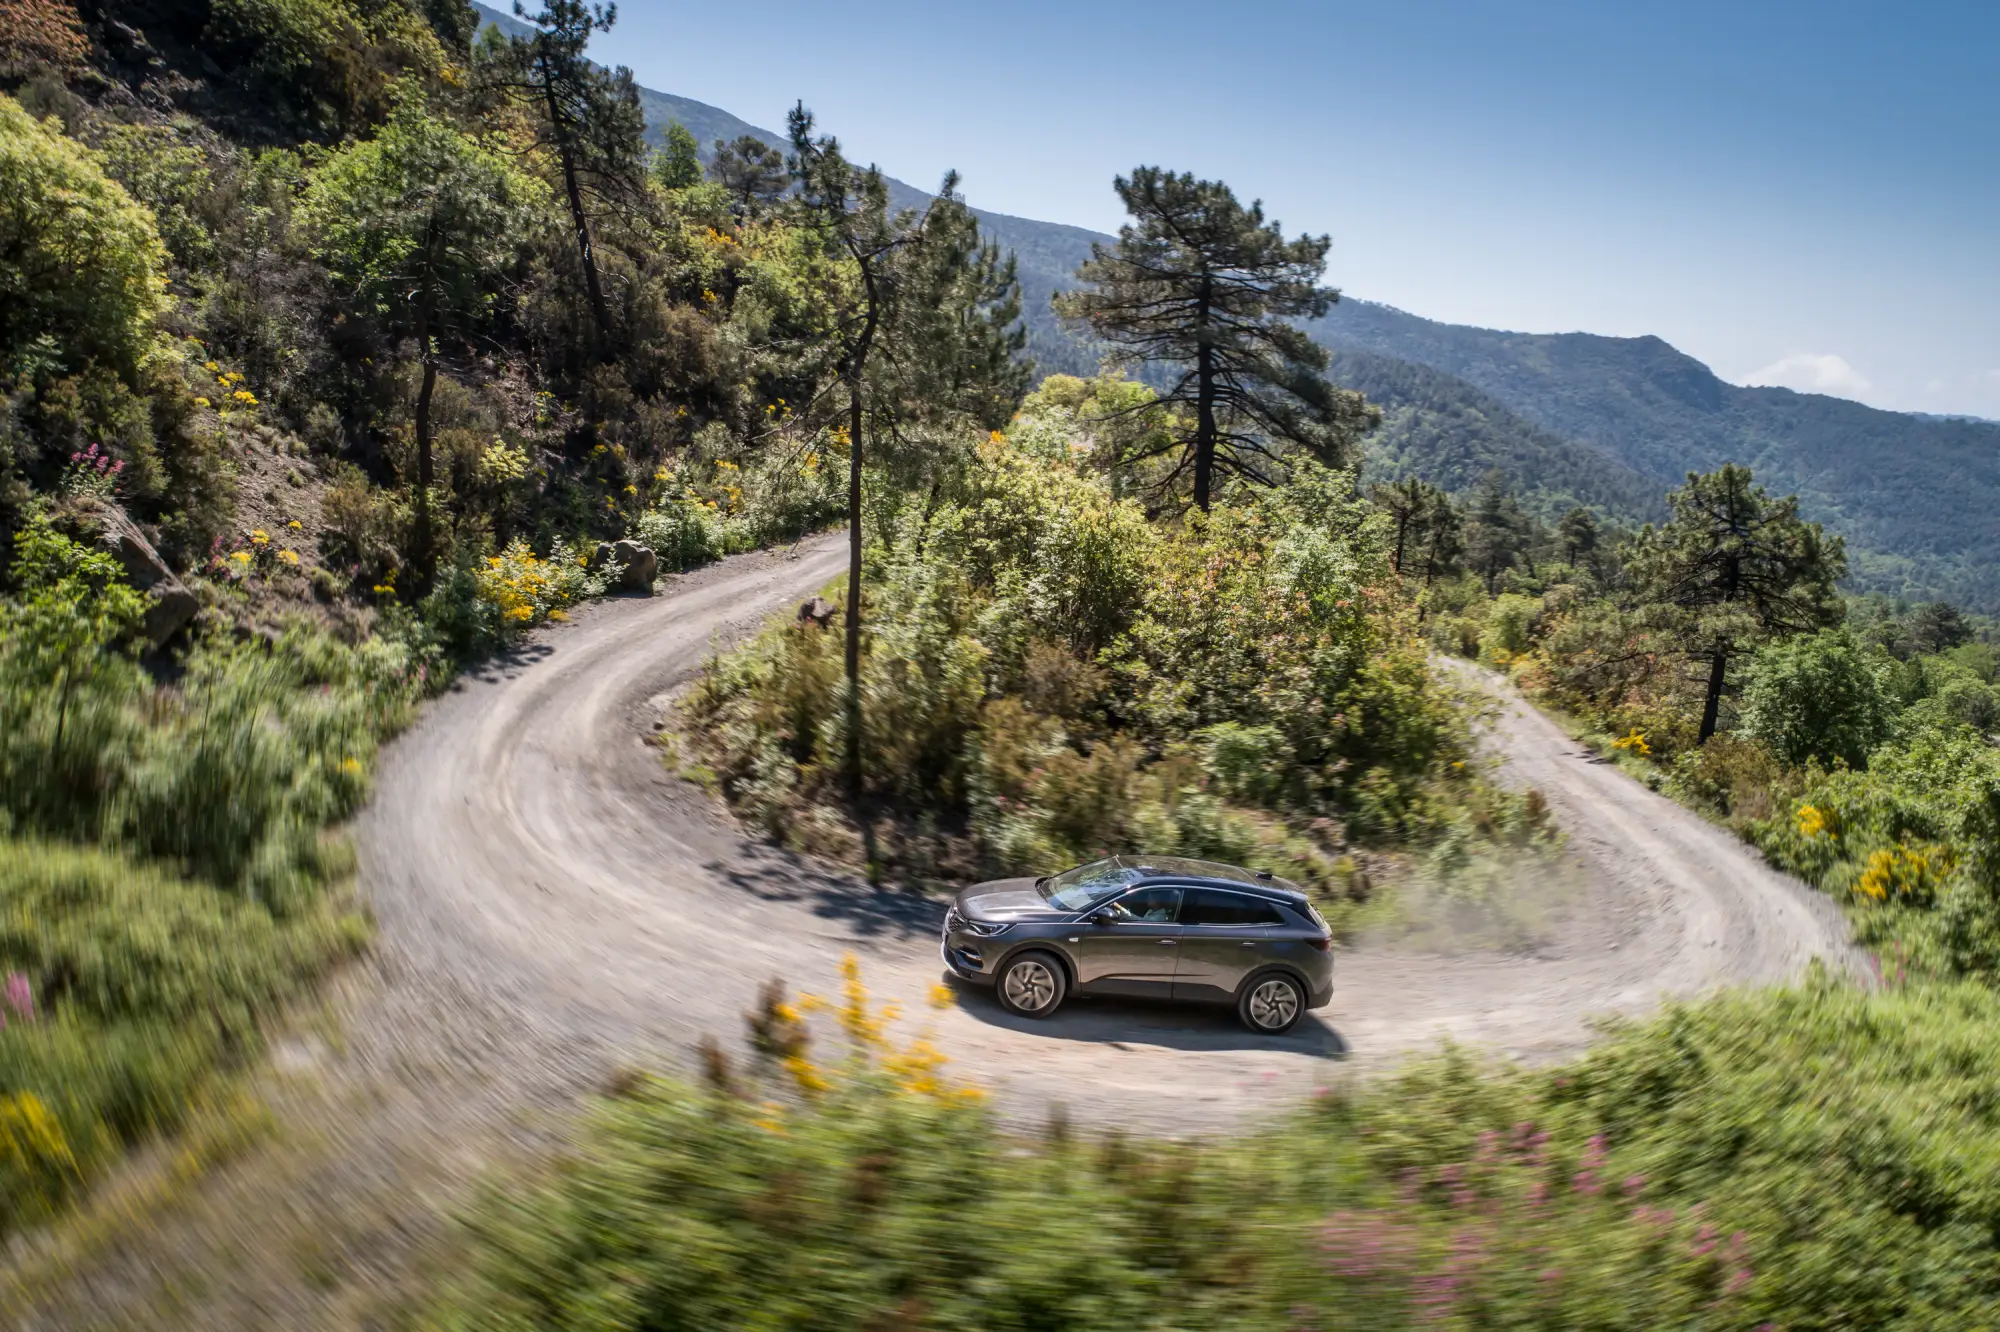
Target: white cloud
point(1808, 373)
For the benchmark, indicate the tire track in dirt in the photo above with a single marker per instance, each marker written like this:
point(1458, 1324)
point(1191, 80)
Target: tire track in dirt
point(552, 904)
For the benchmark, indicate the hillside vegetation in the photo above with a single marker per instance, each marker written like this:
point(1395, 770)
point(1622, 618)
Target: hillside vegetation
point(342, 338)
point(1575, 417)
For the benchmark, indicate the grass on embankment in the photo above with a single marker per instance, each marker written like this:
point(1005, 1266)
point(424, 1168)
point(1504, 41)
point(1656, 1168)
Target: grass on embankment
point(1809, 1158)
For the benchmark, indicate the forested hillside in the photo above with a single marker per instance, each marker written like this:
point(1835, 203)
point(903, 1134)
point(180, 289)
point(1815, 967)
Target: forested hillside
point(1438, 427)
point(1917, 498)
point(1578, 415)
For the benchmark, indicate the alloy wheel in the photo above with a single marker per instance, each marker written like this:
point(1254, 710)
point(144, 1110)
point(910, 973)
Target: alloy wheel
point(1030, 985)
point(1274, 1004)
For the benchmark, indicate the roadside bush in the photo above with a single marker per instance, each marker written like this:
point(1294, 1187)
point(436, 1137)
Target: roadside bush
point(1718, 1166)
point(81, 264)
point(1047, 677)
point(1814, 698)
point(125, 988)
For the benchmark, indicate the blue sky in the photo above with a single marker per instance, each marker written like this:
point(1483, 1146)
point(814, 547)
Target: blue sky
point(1795, 193)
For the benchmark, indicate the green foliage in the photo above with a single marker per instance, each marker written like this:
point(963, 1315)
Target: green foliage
point(320, 66)
point(232, 774)
point(1812, 698)
point(420, 207)
point(139, 983)
point(1720, 1166)
point(1049, 676)
point(81, 265)
point(170, 176)
point(677, 161)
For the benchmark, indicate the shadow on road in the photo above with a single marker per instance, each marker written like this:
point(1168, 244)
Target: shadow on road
point(504, 665)
point(1135, 1022)
point(777, 875)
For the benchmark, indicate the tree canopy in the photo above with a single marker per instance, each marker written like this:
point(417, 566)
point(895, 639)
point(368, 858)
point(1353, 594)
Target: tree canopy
point(81, 265)
point(1205, 288)
point(1732, 568)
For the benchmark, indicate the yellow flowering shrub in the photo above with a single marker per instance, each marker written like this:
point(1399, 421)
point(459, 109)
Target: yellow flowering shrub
point(527, 589)
point(1635, 742)
point(1906, 873)
point(914, 1067)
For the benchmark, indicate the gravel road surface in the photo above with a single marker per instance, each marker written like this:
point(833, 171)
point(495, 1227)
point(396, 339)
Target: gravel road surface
point(553, 905)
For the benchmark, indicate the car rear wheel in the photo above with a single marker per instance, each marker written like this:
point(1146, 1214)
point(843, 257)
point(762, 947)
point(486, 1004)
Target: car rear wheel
point(1271, 1004)
point(1032, 984)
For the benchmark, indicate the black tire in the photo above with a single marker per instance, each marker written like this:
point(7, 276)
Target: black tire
point(1031, 985)
point(1271, 1003)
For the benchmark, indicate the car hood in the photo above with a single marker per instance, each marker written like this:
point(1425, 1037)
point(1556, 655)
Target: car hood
point(1006, 900)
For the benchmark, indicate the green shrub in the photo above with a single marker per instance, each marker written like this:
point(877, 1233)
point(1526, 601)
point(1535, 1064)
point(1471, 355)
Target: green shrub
point(1814, 698)
point(1509, 628)
point(1815, 1158)
point(81, 265)
point(140, 984)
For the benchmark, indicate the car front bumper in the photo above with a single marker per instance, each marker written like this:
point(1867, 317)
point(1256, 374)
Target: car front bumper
point(964, 959)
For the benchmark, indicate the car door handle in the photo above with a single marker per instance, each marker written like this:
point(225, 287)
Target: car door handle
point(1249, 943)
point(1167, 943)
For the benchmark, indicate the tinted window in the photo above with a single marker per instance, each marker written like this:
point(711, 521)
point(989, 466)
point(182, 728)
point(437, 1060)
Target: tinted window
point(1157, 905)
point(1206, 906)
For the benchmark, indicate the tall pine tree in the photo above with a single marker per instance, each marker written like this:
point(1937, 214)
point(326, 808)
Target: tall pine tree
point(1206, 288)
point(1731, 569)
point(588, 116)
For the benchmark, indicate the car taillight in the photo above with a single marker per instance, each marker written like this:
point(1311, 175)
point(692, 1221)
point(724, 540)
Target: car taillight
point(1322, 942)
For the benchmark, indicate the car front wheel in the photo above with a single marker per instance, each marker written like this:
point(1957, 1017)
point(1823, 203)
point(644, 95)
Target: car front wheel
point(1271, 1003)
point(1032, 985)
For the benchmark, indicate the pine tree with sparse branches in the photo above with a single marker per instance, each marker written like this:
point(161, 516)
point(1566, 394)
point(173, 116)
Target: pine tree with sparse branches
point(1734, 568)
point(1206, 288)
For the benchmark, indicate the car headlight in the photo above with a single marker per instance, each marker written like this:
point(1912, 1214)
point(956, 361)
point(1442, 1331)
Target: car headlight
point(986, 929)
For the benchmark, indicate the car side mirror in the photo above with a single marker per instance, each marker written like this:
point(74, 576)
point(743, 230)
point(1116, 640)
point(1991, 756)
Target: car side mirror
point(1102, 917)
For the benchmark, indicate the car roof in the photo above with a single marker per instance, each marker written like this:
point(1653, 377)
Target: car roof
point(1183, 868)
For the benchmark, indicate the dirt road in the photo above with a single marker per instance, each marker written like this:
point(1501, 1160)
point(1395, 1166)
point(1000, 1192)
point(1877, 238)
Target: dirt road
point(552, 904)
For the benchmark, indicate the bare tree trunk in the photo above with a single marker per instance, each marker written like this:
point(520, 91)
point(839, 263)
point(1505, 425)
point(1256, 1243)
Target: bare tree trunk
point(853, 622)
point(1711, 708)
point(1204, 429)
point(425, 552)
point(579, 220)
point(856, 378)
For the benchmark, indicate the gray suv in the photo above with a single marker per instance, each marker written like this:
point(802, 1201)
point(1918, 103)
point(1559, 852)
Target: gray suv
point(1147, 926)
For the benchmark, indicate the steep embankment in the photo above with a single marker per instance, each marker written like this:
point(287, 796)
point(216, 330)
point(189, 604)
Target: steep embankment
point(552, 903)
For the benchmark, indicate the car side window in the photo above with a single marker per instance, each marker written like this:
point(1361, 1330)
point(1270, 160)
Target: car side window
point(1157, 906)
point(1210, 906)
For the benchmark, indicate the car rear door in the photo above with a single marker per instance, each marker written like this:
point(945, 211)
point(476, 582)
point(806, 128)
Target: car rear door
point(1222, 939)
point(1133, 953)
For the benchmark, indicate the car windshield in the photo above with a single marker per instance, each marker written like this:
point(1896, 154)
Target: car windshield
point(1085, 886)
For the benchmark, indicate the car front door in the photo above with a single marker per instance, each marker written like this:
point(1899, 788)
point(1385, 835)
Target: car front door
point(1221, 940)
point(1132, 952)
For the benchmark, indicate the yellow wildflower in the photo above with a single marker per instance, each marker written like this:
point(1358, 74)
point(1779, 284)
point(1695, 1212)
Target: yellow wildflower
point(290, 557)
point(1811, 821)
point(1636, 741)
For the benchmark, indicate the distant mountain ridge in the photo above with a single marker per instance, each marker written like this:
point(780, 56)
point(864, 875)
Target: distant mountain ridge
point(1578, 417)
point(1918, 498)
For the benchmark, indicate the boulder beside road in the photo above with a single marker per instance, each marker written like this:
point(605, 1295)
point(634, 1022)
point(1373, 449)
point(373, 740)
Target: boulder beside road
point(637, 565)
point(169, 604)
